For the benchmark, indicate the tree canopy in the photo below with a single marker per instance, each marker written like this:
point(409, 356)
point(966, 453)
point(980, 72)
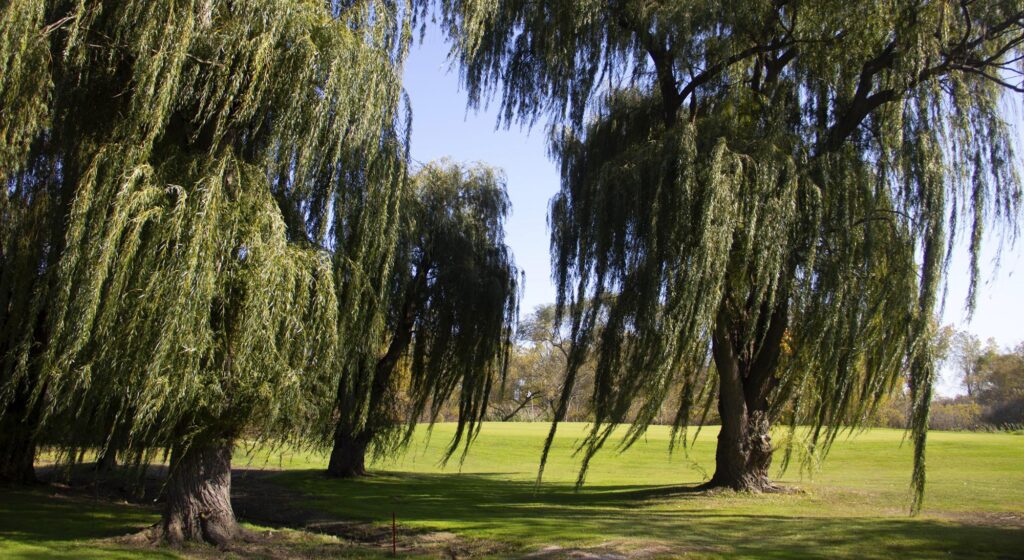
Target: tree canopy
point(451, 312)
point(774, 186)
point(464, 331)
point(172, 175)
point(999, 385)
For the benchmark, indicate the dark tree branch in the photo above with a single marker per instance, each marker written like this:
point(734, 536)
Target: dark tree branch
point(661, 57)
point(956, 58)
point(529, 398)
point(664, 61)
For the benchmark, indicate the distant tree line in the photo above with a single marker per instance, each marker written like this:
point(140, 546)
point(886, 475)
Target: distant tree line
point(992, 380)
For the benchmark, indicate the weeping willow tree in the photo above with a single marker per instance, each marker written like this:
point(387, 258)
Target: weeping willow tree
point(452, 307)
point(771, 186)
point(170, 171)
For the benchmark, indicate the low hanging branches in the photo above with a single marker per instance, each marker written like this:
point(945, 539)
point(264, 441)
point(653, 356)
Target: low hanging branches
point(199, 315)
point(166, 275)
point(471, 303)
point(771, 187)
point(452, 309)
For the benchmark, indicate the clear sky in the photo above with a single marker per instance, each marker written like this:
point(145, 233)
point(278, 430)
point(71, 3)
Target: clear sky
point(442, 127)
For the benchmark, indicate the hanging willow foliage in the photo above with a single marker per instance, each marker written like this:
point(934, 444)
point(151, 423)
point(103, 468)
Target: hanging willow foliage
point(772, 186)
point(453, 304)
point(172, 171)
point(469, 303)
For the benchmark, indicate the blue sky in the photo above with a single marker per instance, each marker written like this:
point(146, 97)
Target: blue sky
point(442, 127)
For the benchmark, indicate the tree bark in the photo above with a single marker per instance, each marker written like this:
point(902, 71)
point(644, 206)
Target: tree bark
point(106, 461)
point(744, 452)
point(199, 496)
point(17, 455)
point(348, 457)
point(17, 441)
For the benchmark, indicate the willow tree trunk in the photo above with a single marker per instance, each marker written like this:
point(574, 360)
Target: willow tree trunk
point(744, 452)
point(348, 456)
point(106, 461)
point(199, 496)
point(17, 455)
point(17, 442)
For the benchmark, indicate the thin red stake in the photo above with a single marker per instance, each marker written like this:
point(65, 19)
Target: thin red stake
point(394, 536)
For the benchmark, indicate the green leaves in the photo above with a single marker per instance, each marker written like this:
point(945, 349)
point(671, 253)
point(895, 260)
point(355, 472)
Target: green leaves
point(468, 303)
point(171, 181)
point(724, 163)
point(448, 313)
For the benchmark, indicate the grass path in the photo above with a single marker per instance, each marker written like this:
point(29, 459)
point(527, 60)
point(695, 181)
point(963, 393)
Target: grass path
point(635, 503)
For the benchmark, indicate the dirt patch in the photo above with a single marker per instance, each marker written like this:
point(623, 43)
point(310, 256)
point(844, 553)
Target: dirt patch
point(142, 486)
point(259, 500)
point(269, 544)
point(1012, 519)
point(613, 550)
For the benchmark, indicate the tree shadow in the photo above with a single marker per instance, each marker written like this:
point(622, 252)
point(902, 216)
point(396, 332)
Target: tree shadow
point(39, 514)
point(679, 519)
point(687, 518)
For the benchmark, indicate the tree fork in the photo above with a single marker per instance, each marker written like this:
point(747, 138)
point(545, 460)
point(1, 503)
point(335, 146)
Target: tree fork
point(199, 496)
point(744, 452)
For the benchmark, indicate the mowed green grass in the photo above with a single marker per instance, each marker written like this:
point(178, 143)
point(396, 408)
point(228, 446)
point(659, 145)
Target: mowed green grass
point(35, 523)
point(639, 500)
point(855, 506)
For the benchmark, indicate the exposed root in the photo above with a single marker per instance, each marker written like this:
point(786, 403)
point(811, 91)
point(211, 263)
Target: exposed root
point(156, 536)
point(761, 487)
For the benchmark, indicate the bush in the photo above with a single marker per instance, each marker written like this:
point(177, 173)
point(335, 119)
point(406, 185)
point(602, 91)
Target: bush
point(1006, 413)
point(892, 413)
point(956, 415)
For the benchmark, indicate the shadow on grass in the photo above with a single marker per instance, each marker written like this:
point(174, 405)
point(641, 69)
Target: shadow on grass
point(41, 515)
point(39, 523)
point(680, 517)
point(35, 523)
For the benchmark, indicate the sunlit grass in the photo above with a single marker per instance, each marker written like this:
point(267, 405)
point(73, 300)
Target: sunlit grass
point(855, 506)
point(37, 524)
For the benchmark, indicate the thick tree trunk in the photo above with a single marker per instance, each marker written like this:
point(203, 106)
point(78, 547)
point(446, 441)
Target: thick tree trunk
point(348, 457)
point(106, 461)
point(17, 441)
point(199, 496)
point(17, 455)
point(744, 452)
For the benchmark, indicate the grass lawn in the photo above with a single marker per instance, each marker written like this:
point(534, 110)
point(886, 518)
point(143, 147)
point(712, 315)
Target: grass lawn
point(634, 503)
point(36, 524)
